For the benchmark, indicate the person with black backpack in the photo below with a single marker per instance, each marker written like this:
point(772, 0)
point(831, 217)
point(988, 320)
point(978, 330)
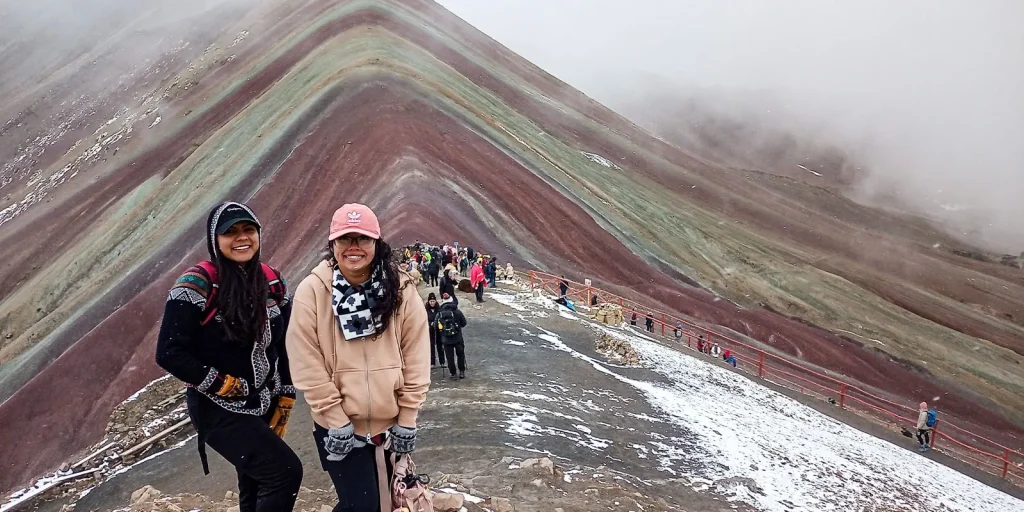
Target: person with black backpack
point(223, 335)
point(450, 322)
point(926, 421)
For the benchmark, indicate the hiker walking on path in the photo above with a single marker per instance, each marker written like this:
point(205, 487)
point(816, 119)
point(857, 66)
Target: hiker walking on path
point(678, 332)
point(450, 322)
point(492, 271)
point(447, 285)
point(632, 318)
point(563, 287)
point(359, 346)
point(436, 349)
point(223, 335)
point(477, 281)
point(650, 322)
point(926, 421)
point(433, 269)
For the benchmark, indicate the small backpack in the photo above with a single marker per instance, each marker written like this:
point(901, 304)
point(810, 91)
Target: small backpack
point(447, 324)
point(275, 285)
point(933, 418)
point(409, 492)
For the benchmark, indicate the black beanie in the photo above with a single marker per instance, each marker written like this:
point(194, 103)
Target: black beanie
point(431, 296)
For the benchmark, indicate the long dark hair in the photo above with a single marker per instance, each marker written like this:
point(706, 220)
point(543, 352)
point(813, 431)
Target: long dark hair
point(388, 305)
point(242, 298)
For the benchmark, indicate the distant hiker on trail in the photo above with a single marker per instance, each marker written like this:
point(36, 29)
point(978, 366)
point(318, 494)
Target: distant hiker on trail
point(714, 350)
point(678, 332)
point(510, 273)
point(436, 349)
point(701, 343)
point(728, 357)
point(470, 255)
point(563, 287)
point(650, 323)
point(447, 285)
point(477, 281)
point(926, 421)
point(463, 264)
point(632, 318)
point(450, 322)
point(433, 269)
point(359, 345)
point(492, 271)
point(223, 335)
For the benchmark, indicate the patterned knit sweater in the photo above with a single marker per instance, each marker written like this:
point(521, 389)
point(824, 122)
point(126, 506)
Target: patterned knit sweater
point(196, 354)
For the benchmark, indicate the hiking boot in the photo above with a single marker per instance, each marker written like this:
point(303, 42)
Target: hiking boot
point(922, 449)
point(453, 377)
point(462, 375)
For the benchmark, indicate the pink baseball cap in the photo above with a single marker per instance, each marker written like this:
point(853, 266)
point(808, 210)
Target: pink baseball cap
point(924, 405)
point(354, 218)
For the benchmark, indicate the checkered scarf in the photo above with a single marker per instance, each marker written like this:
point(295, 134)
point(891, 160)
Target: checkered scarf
point(352, 306)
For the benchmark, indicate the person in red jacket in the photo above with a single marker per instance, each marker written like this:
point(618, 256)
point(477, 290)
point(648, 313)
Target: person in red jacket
point(477, 280)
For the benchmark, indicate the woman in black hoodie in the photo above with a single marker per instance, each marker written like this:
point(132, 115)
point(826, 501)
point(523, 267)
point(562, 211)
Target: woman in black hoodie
point(436, 349)
point(223, 335)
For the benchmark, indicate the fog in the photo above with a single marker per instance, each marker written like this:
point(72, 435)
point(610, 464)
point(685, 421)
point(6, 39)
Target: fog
point(928, 95)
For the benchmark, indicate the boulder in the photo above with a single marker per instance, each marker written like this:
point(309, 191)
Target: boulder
point(500, 504)
point(465, 287)
point(445, 502)
point(543, 464)
point(144, 494)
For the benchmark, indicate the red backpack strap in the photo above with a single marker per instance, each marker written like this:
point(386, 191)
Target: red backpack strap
point(275, 283)
point(211, 308)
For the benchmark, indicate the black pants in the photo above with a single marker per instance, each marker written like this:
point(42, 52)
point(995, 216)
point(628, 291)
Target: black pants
point(432, 279)
point(453, 352)
point(269, 472)
point(924, 437)
point(436, 349)
point(650, 327)
point(480, 291)
point(354, 477)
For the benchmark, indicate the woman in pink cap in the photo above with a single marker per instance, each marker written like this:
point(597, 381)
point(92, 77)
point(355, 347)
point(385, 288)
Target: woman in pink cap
point(359, 350)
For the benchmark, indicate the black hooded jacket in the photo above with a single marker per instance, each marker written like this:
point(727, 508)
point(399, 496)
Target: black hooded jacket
point(201, 355)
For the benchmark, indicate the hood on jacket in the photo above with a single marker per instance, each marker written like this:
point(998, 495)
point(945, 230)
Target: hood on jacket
point(234, 210)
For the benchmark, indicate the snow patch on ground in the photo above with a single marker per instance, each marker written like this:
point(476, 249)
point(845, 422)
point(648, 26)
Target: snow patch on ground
point(810, 461)
point(598, 159)
point(514, 342)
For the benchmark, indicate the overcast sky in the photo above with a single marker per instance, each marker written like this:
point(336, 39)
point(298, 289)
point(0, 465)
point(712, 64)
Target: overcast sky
point(932, 90)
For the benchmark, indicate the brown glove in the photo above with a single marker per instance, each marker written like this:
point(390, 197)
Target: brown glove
point(230, 387)
point(279, 421)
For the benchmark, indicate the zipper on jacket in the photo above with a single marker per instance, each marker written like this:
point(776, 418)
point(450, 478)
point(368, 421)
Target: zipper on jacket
point(369, 401)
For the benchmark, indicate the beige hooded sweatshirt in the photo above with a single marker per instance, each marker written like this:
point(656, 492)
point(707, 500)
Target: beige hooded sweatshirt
point(372, 382)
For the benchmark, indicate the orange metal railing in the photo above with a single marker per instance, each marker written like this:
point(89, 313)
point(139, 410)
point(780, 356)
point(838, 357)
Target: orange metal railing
point(982, 452)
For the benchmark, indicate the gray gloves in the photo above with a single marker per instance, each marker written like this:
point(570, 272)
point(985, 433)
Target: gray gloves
point(403, 439)
point(339, 442)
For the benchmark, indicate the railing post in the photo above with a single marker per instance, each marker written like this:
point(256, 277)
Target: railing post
point(760, 364)
point(842, 396)
point(1006, 461)
point(663, 325)
point(935, 434)
point(590, 300)
point(621, 305)
point(689, 339)
point(531, 281)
